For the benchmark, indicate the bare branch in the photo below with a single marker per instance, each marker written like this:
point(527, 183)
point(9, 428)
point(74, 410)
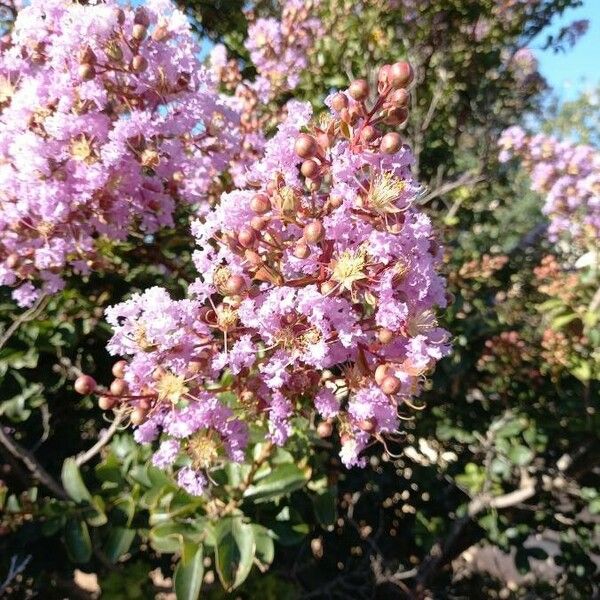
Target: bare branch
point(31, 462)
point(28, 315)
point(84, 457)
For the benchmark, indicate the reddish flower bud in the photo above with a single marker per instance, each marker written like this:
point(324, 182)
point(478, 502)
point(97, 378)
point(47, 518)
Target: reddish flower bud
point(368, 134)
point(138, 33)
point(260, 204)
point(13, 260)
point(400, 97)
point(253, 257)
point(118, 369)
point(339, 101)
point(235, 285)
point(390, 143)
point(158, 373)
point(314, 232)
point(381, 373)
point(138, 416)
point(310, 169)
point(335, 201)
point(384, 74)
point(118, 387)
point(141, 17)
point(401, 74)
point(396, 116)
point(301, 250)
point(359, 89)
point(85, 385)
point(390, 385)
point(139, 63)
point(246, 237)
point(87, 72)
point(324, 429)
point(367, 425)
point(306, 146)
point(259, 223)
point(87, 56)
point(106, 403)
point(385, 336)
point(160, 34)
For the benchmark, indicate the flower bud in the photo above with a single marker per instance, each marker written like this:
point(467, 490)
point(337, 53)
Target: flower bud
point(335, 201)
point(85, 385)
point(138, 416)
point(260, 204)
point(259, 223)
point(401, 74)
point(384, 74)
point(400, 97)
point(106, 402)
point(138, 33)
point(339, 101)
point(390, 385)
point(368, 134)
point(367, 425)
point(390, 143)
point(141, 17)
point(306, 146)
point(87, 56)
point(314, 232)
point(246, 237)
point(86, 72)
point(235, 285)
point(160, 34)
point(381, 373)
point(359, 89)
point(324, 429)
point(120, 15)
point(301, 250)
point(158, 373)
point(139, 64)
point(253, 257)
point(310, 169)
point(118, 369)
point(385, 336)
point(118, 387)
point(396, 116)
point(13, 260)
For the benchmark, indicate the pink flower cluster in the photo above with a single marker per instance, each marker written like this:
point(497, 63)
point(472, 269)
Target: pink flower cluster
point(107, 121)
point(567, 174)
point(315, 297)
point(279, 48)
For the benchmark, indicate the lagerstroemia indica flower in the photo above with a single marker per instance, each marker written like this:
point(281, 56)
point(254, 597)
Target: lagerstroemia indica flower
point(316, 293)
point(107, 120)
point(569, 177)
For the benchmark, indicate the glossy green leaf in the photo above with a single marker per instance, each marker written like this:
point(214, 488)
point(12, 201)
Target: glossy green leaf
point(234, 551)
point(77, 540)
point(189, 572)
point(284, 479)
point(118, 542)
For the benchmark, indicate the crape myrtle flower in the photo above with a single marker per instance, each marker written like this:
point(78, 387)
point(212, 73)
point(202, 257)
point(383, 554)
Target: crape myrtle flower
point(315, 297)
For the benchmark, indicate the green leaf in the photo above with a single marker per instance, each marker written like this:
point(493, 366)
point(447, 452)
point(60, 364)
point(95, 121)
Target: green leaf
point(73, 482)
point(118, 543)
point(326, 508)
point(77, 539)
point(520, 455)
point(284, 479)
point(234, 552)
point(265, 548)
point(189, 573)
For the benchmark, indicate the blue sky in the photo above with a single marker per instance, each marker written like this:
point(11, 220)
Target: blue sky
point(577, 69)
